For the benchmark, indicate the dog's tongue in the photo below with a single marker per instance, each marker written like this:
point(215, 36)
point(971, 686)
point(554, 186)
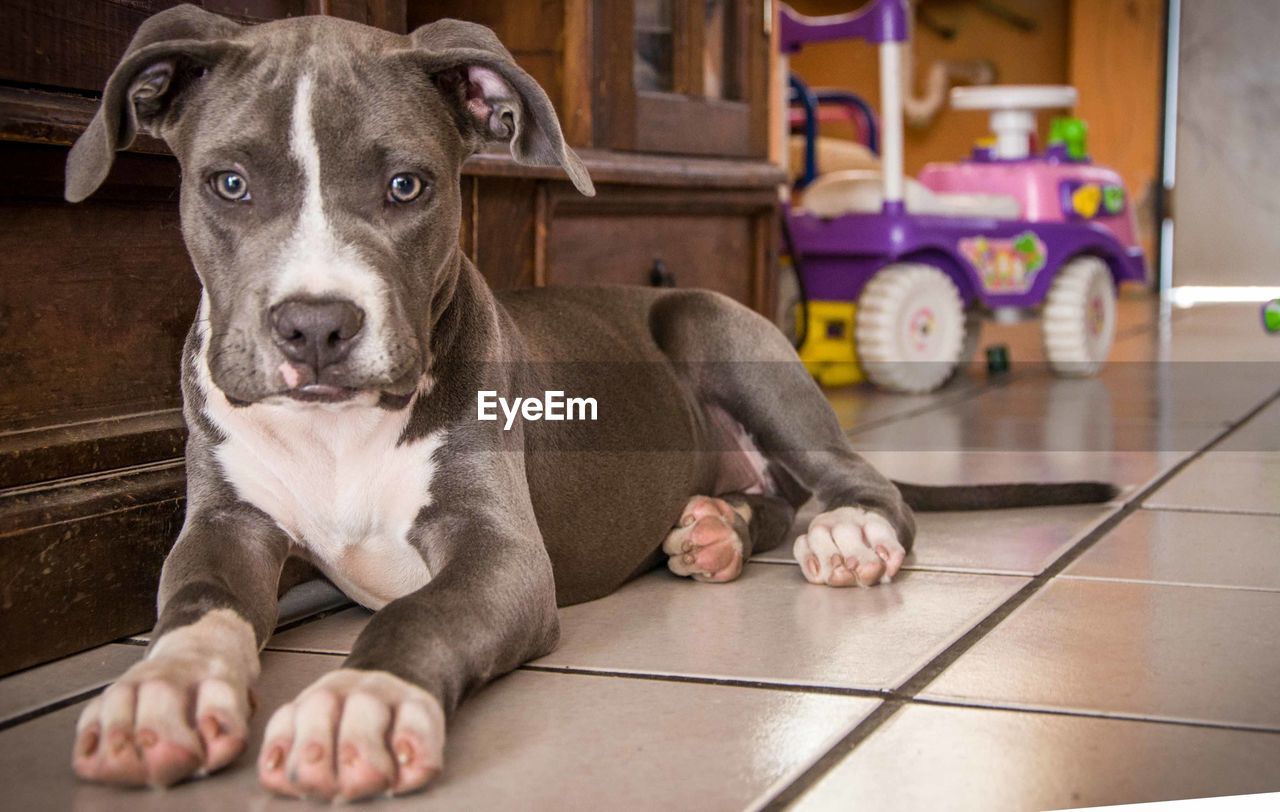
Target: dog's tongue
point(290, 374)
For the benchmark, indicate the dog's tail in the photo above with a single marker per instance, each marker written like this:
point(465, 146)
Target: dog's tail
point(934, 498)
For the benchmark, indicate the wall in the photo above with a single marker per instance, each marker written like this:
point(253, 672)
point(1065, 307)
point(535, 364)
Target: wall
point(1117, 54)
point(1227, 198)
point(1038, 57)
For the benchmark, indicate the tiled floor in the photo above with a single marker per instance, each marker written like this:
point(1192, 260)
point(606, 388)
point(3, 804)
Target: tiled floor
point(1030, 659)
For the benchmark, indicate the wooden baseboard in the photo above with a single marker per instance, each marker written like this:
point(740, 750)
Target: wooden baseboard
point(81, 560)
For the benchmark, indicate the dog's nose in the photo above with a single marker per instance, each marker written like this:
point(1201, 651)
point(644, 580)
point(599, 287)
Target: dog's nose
point(318, 332)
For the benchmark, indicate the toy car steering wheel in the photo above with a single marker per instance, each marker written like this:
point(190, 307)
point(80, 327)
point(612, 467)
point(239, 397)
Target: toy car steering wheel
point(1013, 109)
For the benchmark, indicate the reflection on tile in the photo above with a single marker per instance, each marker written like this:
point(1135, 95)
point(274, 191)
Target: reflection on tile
point(772, 626)
point(1012, 542)
point(1145, 650)
point(1131, 407)
point(1232, 481)
point(974, 759)
point(862, 404)
point(334, 634)
point(60, 680)
point(529, 741)
point(1130, 471)
point(1179, 547)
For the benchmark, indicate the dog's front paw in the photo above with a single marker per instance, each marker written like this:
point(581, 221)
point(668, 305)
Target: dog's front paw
point(849, 547)
point(353, 734)
point(183, 711)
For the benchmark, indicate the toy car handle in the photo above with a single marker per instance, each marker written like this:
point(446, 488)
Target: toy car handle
point(886, 24)
point(854, 102)
point(881, 21)
point(809, 101)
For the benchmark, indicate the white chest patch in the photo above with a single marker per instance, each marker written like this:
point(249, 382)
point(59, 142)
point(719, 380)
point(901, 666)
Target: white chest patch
point(337, 480)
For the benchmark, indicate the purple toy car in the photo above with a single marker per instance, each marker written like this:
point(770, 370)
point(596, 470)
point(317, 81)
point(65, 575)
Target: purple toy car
point(1003, 232)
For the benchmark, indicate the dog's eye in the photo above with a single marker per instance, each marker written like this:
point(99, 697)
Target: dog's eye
point(230, 186)
point(404, 187)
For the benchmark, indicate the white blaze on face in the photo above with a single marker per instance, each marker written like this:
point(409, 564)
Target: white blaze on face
point(315, 263)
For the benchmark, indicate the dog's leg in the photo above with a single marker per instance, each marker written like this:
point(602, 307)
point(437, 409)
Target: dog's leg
point(715, 535)
point(377, 725)
point(184, 710)
point(739, 362)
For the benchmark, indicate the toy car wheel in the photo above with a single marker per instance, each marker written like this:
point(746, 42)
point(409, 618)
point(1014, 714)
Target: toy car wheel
point(1079, 319)
point(910, 328)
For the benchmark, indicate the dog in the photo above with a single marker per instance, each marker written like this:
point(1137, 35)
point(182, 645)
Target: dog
point(330, 385)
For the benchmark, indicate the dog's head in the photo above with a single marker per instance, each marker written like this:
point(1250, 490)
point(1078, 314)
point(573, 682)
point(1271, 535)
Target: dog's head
point(320, 183)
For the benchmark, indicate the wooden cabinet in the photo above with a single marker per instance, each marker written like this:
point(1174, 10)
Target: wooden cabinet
point(680, 77)
point(96, 299)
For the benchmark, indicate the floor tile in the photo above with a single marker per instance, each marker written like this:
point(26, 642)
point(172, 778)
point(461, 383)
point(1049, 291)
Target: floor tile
point(1143, 650)
point(1228, 481)
point(981, 760)
point(1129, 470)
point(63, 679)
point(1181, 547)
point(1262, 433)
point(862, 404)
point(1005, 542)
point(334, 634)
point(772, 626)
point(529, 741)
point(967, 427)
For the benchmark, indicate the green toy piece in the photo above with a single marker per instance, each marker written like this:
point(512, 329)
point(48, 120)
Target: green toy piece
point(1271, 316)
point(1113, 199)
point(997, 359)
point(1072, 133)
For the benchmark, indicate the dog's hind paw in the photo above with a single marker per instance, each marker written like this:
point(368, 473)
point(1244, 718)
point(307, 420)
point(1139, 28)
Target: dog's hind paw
point(707, 542)
point(353, 734)
point(849, 547)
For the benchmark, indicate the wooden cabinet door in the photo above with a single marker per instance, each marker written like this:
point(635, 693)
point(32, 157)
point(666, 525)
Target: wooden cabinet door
point(683, 76)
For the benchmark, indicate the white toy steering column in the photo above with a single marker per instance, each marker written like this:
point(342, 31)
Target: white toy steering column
point(1013, 107)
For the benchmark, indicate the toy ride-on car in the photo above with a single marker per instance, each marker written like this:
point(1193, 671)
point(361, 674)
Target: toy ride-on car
point(1006, 232)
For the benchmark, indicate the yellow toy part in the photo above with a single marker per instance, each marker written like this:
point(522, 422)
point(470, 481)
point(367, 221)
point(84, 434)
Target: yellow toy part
point(1086, 200)
point(829, 352)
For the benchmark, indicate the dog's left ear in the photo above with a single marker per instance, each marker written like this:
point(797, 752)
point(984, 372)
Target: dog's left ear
point(494, 96)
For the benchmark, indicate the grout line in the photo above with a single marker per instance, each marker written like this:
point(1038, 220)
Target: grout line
point(1111, 579)
point(960, 396)
point(1212, 511)
point(312, 651)
point(43, 710)
point(888, 697)
point(1077, 713)
point(1149, 508)
point(728, 682)
point(931, 670)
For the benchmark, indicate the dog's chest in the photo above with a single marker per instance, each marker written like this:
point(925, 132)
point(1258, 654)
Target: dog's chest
point(341, 485)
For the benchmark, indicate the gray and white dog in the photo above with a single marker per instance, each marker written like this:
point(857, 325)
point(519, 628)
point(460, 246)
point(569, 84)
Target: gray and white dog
point(331, 381)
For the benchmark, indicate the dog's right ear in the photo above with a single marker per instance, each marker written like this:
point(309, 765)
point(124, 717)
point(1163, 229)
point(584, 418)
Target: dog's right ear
point(168, 51)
